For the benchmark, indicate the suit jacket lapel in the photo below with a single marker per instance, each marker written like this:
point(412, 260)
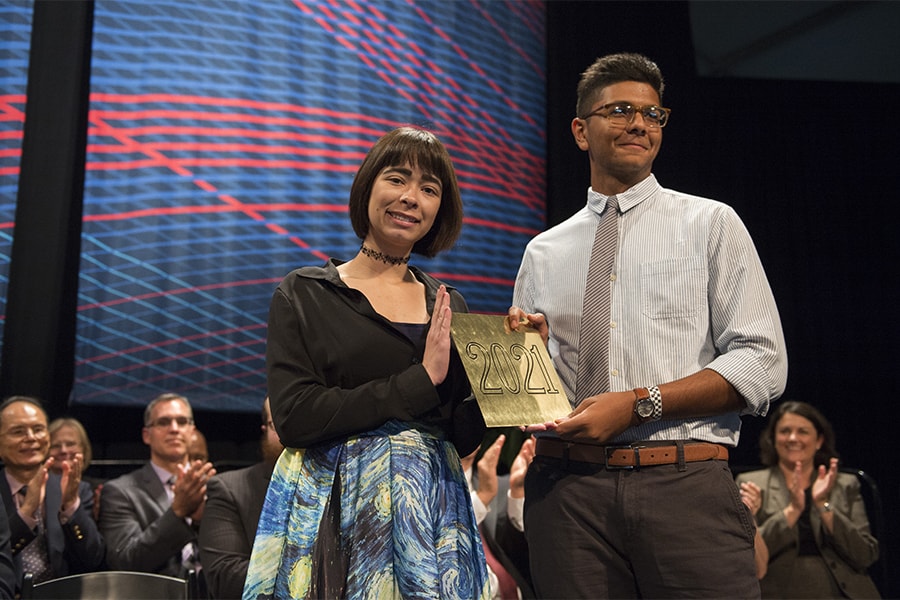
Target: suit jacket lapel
point(779, 494)
point(155, 487)
point(6, 494)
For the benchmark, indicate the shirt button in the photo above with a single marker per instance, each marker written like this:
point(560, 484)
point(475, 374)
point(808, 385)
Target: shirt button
point(612, 324)
point(614, 372)
point(612, 276)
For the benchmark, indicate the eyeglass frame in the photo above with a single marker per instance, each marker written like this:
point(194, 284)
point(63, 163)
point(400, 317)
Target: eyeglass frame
point(163, 422)
point(637, 109)
point(21, 432)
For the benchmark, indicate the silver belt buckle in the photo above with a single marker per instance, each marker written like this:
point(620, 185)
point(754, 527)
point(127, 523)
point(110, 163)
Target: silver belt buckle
point(608, 450)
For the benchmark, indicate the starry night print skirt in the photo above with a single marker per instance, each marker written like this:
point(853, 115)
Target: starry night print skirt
point(386, 514)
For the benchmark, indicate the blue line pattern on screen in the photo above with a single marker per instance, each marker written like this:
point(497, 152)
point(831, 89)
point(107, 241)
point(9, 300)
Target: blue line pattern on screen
point(15, 42)
point(223, 139)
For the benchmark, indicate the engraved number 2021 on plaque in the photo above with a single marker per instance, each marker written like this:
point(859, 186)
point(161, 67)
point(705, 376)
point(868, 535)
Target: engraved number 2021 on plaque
point(510, 372)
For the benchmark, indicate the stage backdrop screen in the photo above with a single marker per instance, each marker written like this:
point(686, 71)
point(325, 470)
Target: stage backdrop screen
point(223, 139)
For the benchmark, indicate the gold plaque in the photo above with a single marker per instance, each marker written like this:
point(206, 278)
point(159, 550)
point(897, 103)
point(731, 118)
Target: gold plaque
point(511, 373)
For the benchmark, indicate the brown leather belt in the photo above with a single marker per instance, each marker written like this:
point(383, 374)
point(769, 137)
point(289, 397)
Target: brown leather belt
point(629, 457)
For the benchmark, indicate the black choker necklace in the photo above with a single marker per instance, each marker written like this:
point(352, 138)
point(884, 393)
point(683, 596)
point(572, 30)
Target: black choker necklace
point(386, 259)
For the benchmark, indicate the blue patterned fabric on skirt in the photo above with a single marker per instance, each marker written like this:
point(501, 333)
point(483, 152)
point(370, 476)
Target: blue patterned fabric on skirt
point(386, 514)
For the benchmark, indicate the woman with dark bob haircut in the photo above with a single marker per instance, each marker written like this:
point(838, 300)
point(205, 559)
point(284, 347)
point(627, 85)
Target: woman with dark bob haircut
point(418, 148)
point(371, 401)
point(811, 516)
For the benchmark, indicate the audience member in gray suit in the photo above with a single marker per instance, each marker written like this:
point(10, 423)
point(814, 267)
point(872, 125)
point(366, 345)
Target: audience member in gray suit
point(49, 514)
point(235, 500)
point(150, 525)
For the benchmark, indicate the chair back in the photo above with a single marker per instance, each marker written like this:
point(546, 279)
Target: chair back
point(871, 496)
point(109, 585)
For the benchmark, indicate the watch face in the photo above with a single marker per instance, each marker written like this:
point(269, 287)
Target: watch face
point(644, 408)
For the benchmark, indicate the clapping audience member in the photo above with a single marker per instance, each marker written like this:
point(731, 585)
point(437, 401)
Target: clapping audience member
point(503, 536)
point(235, 500)
point(811, 516)
point(68, 437)
point(509, 529)
point(150, 516)
point(52, 531)
point(760, 550)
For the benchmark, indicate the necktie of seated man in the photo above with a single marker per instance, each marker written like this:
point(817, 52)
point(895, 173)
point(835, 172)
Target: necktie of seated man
point(35, 559)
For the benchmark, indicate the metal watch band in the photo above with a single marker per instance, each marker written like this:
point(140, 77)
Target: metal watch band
point(656, 398)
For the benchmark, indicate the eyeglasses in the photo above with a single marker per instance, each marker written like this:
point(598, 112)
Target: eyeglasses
point(622, 114)
point(164, 422)
point(20, 431)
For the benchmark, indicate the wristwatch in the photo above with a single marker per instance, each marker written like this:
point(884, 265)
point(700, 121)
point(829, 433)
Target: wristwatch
point(648, 404)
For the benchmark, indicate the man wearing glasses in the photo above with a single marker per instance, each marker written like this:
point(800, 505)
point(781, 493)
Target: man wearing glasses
point(150, 517)
point(662, 325)
point(52, 531)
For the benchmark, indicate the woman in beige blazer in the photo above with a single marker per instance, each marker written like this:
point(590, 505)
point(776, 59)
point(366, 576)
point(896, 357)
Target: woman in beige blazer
point(811, 516)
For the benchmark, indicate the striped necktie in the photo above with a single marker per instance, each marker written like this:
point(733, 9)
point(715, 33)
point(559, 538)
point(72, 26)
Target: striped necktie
point(593, 337)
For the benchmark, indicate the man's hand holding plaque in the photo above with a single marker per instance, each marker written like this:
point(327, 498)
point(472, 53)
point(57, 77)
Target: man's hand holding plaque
point(510, 370)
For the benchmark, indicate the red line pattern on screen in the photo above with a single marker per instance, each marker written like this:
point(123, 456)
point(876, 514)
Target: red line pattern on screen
point(158, 346)
point(157, 153)
point(196, 137)
point(188, 290)
point(10, 112)
point(169, 376)
point(379, 44)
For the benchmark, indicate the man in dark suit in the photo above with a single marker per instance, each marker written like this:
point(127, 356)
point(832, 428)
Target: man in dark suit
point(234, 503)
point(150, 516)
point(52, 531)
